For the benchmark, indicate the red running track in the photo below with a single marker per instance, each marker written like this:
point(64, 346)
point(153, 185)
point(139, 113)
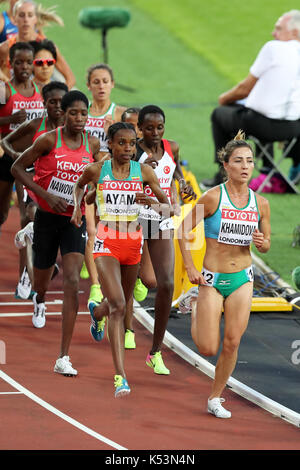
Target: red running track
point(51, 412)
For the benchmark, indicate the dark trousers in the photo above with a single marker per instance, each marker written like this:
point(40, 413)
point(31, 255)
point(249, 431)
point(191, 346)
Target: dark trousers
point(227, 120)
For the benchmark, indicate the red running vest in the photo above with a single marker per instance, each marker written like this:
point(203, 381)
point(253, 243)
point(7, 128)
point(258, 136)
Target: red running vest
point(58, 171)
point(34, 106)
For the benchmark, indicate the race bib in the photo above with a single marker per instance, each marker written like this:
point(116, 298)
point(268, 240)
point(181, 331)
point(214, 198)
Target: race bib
point(62, 188)
point(34, 109)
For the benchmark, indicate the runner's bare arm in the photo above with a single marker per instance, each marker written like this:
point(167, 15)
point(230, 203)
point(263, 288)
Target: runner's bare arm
point(204, 207)
point(20, 139)
point(90, 176)
point(95, 148)
point(262, 237)
point(64, 68)
point(150, 178)
point(41, 147)
point(186, 189)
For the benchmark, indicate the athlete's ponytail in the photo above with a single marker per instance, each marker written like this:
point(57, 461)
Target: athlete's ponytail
point(239, 141)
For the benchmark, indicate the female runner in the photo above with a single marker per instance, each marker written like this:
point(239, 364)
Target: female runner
point(117, 251)
point(163, 155)
point(234, 216)
point(59, 157)
point(102, 113)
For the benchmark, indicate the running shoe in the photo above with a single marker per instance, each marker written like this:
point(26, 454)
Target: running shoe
point(121, 386)
point(185, 304)
point(140, 291)
point(64, 366)
point(156, 362)
point(95, 293)
point(84, 274)
point(39, 317)
point(214, 407)
point(129, 339)
point(24, 288)
point(98, 326)
point(23, 235)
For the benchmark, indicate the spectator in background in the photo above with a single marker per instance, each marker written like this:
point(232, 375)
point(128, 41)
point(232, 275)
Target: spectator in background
point(7, 25)
point(271, 94)
point(44, 61)
point(25, 15)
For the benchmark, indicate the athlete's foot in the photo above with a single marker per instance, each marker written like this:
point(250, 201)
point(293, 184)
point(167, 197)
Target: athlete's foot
point(64, 366)
point(39, 317)
point(121, 386)
point(129, 342)
point(95, 293)
point(214, 407)
point(97, 326)
point(155, 361)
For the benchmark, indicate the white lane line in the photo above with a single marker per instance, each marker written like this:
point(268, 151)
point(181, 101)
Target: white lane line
point(11, 393)
point(29, 303)
point(207, 368)
point(58, 413)
point(29, 314)
point(48, 292)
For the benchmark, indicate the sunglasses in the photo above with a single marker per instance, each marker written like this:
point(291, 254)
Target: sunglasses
point(41, 62)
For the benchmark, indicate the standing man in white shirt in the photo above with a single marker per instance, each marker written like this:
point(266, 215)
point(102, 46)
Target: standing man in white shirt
point(266, 104)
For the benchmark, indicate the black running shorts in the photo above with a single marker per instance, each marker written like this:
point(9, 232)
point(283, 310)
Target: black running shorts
point(53, 232)
point(5, 165)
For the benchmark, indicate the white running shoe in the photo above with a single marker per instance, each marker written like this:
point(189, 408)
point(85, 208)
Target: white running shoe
point(214, 407)
point(39, 317)
point(23, 289)
point(185, 304)
point(23, 235)
point(64, 366)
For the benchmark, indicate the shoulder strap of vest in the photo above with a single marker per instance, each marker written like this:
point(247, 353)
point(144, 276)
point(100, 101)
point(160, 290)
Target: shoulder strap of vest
point(85, 138)
point(36, 88)
point(43, 124)
point(58, 137)
point(12, 90)
point(167, 147)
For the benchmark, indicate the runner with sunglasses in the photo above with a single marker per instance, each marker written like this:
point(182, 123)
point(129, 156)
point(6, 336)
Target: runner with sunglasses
point(44, 62)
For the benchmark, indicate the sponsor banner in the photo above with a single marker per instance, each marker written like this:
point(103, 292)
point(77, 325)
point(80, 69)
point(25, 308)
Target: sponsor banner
point(133, 186)
point(246, 216)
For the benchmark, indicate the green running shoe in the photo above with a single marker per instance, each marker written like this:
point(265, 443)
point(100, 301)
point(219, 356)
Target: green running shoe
point(95, 293)
point(121, 386)
point(156, 362)
point(129, 340)
point(140, 291)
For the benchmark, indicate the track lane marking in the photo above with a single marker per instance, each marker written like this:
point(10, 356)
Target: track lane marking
point(58, 413)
